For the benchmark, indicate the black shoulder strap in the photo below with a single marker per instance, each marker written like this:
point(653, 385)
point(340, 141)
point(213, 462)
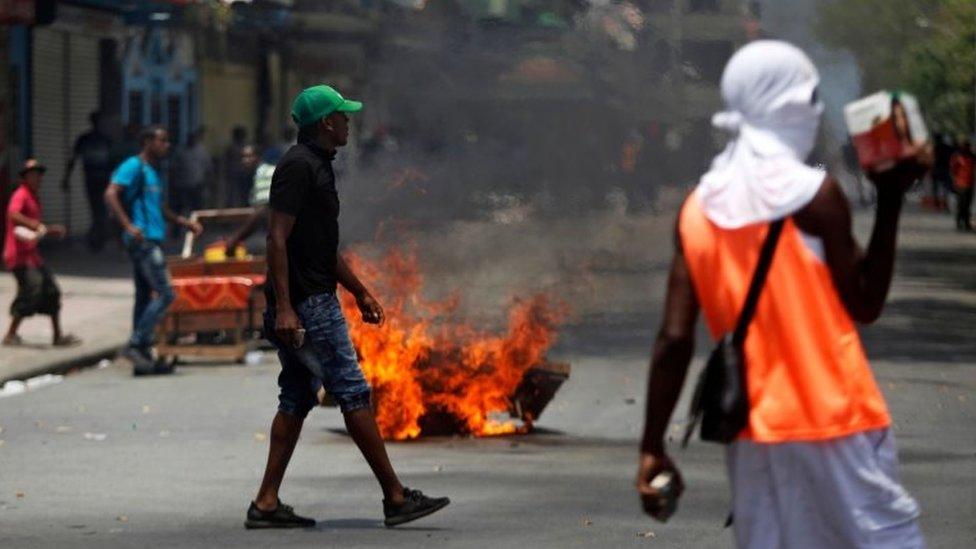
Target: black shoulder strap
point(758, 280)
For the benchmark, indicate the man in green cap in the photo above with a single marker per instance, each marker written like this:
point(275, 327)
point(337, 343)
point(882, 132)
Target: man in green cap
point(304, 320)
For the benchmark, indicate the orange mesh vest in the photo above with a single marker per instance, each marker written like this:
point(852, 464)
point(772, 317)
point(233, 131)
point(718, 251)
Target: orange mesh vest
point(807, 374)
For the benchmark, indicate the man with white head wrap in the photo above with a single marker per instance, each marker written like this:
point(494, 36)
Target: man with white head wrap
point(774, 114)
point(815, 465)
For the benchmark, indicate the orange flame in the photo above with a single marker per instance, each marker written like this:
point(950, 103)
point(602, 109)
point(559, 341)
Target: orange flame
point(423, 361)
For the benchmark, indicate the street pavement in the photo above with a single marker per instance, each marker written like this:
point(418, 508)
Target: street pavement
point(96, 307)
point(103, 459)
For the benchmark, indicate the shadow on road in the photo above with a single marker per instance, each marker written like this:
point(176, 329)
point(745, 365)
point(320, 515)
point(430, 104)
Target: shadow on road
point(923, 330)
point(348, 524)
point(366, 524)
point(939, 267)
point(928, 329)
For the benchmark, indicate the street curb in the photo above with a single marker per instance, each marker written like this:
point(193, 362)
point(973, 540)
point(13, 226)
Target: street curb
point(61, 366)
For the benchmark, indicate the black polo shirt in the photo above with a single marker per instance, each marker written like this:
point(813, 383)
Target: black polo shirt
point(303, 186)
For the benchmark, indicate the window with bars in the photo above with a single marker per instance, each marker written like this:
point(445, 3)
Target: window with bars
point(156, 103)
point(174, 119)
point(136, 107)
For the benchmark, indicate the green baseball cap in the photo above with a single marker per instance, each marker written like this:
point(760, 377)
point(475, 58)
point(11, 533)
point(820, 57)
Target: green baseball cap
point(315, 103)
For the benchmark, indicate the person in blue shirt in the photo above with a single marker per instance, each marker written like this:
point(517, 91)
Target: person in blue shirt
point(135, 196)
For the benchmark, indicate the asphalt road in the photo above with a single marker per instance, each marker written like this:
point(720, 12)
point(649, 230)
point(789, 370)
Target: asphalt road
point(105, 460)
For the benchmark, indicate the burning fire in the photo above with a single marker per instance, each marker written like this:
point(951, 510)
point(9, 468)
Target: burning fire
point(425, 365)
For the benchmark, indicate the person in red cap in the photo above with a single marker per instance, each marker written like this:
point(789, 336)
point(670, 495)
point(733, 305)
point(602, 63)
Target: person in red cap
point(37, 291)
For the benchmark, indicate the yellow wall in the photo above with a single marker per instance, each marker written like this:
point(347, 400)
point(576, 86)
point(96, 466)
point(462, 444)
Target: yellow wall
point(229, 98)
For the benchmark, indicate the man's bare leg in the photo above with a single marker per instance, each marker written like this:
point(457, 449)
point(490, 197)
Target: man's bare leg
point(285, 430)
point(56, 327)
point(12, 331)
point(362, 428)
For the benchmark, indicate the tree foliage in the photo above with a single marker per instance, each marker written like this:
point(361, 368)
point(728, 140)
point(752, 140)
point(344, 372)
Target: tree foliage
point(926, 47)
point(941, 70)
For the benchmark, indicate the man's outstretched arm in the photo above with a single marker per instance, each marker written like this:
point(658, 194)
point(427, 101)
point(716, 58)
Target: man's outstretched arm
point(193, 226)
point(862, 278)
point(113, 194)
point(287, 323)
point(247, 229)
point(368, 306)
point(673, 349)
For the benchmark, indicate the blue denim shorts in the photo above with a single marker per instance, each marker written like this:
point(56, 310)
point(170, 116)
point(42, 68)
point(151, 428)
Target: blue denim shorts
point(327, 359)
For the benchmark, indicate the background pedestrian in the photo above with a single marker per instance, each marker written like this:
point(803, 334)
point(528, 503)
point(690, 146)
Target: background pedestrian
point(37, 289)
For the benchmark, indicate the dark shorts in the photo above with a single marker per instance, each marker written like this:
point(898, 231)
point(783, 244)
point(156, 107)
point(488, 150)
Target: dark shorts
point(327, 359)
point(37, 292)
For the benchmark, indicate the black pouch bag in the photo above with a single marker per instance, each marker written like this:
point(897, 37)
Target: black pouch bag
point(721, 398)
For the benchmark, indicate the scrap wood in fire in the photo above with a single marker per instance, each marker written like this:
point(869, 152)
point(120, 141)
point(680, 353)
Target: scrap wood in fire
point(536, 390)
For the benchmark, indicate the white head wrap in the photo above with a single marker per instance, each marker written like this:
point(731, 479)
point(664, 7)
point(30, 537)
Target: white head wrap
point(768, 87)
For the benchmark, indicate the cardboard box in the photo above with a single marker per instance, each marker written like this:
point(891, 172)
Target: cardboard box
point(884, 127)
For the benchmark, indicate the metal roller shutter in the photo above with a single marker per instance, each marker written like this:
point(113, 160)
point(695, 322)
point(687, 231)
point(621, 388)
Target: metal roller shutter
point(47, 112)
point(64, 92)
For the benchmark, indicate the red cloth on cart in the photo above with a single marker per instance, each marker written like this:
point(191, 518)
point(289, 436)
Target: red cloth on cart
point(213, 293)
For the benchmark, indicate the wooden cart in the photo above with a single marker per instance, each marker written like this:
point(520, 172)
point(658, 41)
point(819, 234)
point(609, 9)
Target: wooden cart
point(218, 305)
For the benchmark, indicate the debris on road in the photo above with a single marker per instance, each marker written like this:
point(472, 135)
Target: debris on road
point(586, 522)
point(648, 534)
point(122, 518)
point(13, 387)
point(61, 429)
point(97, 437)
point(260, 437)
point(37, 382)
point(17, 387)
point(20, 495)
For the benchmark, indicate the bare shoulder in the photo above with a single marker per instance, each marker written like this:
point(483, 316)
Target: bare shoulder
point(828, 212)
point(677, 221)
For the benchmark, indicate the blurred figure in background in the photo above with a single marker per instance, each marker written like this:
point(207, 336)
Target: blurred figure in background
point(192, 172)
point(236, 181)
point(37, 290)
point(94, 147)
point(963, 166)
point(250, 160)
point(136, 197)
point(260, 193)
point(941, 175)
point(853, 165)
